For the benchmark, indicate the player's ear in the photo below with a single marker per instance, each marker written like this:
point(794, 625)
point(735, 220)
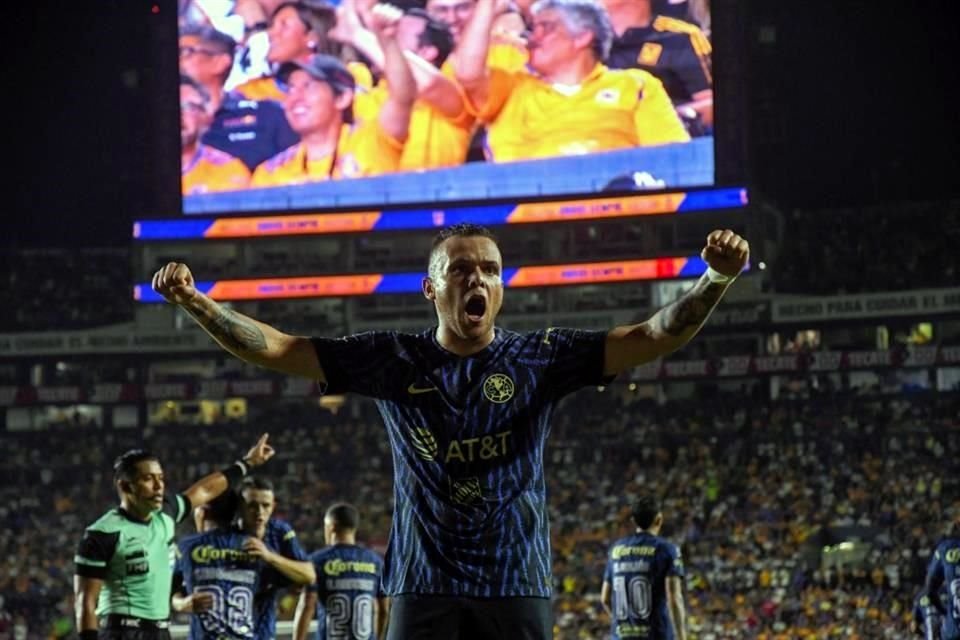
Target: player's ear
point(428, 290)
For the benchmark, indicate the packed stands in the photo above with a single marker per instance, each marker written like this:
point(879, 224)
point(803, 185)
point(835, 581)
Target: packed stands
point(754, 491)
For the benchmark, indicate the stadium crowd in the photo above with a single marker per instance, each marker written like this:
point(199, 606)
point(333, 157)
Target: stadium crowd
point(282, 93)
point(850, 258)
point(754, 492)
point(43, 289)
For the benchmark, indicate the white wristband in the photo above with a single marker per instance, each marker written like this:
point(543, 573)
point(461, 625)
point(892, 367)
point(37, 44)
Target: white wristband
point(716, 277)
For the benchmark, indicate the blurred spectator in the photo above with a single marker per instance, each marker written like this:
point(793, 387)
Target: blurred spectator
point(203, 168)
point(572, 105)
point(695, 11)
point(318, 106)
point(247, 129)
point(440, 127)
point(58, 289)
point(675, 51)
point(838, 251)
point(297, 30)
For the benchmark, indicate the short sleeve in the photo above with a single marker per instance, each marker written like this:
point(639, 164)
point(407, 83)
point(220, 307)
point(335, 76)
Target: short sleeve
point(316, 559)
point(656, 120)
point(693, 65)
point(500, 85)
point(379, 562)
point(94, 552)
point(176, 506)
point(179, 569)
point(576, 359)
point(674, 561)
point(372, 151)
point(357, 363)
point(935, 573)
point(291, 548)
point(608, 571)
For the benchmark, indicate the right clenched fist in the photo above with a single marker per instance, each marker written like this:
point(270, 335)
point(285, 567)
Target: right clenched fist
point(175, 283)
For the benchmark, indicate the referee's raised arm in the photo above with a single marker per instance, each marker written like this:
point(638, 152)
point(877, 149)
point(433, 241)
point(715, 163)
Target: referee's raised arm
point(123, 574)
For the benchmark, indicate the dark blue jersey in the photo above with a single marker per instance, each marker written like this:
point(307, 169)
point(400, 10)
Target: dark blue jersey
point(215, 562)
point(347, 586)
point(280, 538)
point(252, 130)
point(943, 572)
point(467, 433)
point(637, 569)
point(675, 51)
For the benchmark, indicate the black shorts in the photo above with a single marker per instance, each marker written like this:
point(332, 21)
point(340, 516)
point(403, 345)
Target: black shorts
point(416, 617)
point(123, 628)
point(133, 634)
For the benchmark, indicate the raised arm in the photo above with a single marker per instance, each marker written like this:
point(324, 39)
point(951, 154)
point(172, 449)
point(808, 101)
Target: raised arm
point(432, 86)
point(673, 326)
point(395, 114)
point(678, 615)
point(212, 485)
point(470, 57)
point(247, 339)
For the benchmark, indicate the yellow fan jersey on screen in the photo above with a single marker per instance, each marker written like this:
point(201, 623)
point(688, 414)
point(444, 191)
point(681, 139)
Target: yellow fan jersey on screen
point(611, 109)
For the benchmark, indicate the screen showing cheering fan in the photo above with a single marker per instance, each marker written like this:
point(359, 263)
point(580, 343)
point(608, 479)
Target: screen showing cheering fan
point(311, 105)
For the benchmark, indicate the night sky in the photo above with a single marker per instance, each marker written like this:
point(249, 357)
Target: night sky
point(849, 104)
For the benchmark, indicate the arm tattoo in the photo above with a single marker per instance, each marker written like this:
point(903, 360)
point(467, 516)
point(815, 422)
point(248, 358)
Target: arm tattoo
point(690, 311)
point(234, 331)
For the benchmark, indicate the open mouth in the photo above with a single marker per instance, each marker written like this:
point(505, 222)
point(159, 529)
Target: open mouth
point(475, 308)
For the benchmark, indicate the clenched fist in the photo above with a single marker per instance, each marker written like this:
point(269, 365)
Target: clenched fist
point(726, 252)
point(175, 283)
point(383, 19)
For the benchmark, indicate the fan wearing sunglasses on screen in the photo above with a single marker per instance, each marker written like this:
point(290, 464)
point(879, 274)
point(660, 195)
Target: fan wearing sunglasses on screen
point(247, 129)
point(204, 169)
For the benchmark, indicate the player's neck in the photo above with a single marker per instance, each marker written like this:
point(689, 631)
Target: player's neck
point(463, 347)
point(653, 531)
point(624, 15)
point(322, 143)
point(343, 538)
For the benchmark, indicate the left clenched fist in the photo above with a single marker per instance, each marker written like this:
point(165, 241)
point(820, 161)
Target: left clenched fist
point(726, 252)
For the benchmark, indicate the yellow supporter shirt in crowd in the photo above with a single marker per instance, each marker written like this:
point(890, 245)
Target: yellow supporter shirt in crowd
point(434, 140)
point(267, 87)
point(364, 149)
point(213, 170)
point(611, 109)
point(507, 56)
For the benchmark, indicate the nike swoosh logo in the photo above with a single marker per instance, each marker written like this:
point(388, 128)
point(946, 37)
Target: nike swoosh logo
point(414, 390)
